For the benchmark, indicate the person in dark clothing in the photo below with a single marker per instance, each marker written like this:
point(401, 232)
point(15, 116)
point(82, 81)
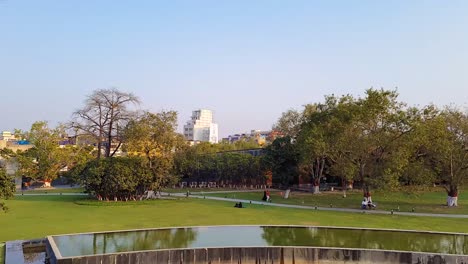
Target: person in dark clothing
point(264, 196)
point(238, 205)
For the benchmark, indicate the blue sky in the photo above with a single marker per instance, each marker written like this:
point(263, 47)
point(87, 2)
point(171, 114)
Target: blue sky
point(246, 60)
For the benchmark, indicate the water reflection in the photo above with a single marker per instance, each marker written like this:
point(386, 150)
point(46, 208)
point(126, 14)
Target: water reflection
point(34, 258)
point(256, 236)
point(370, 239)
point(91, 244)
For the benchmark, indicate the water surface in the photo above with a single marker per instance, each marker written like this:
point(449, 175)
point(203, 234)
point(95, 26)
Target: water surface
point(259, 236)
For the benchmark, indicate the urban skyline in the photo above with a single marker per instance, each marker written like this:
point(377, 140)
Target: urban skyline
point(9, 132)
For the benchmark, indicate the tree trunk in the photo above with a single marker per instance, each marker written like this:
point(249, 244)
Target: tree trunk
point(452, 196)
point(316, 186)
point(316, 189)
point(99, 146)
point(349, 186)
point(344, 187)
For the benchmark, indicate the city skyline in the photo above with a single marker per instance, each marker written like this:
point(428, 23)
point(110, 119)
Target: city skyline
point(246, 61)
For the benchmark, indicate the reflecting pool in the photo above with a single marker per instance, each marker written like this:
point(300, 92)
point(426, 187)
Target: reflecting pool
point(259, 236)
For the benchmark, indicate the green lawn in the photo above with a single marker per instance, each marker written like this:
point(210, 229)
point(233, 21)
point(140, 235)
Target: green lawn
point(429, 201)
point(37, 216)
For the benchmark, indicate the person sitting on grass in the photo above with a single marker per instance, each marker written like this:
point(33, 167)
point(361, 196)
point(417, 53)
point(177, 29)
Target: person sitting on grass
point(364, 204)
point(238, 205)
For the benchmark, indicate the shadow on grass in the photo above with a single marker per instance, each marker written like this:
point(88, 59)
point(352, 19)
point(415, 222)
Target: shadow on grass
point(92, 202)
point(50, 198)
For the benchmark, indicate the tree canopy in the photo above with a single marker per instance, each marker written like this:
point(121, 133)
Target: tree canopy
point(154, 137)
point(46, 159)
point(7, 187)
point(105, 114)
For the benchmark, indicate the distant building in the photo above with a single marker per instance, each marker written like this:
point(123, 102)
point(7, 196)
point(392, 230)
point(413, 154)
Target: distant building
point(7, 136)
point(9, 141)
point(201, 127)
point(259, 136)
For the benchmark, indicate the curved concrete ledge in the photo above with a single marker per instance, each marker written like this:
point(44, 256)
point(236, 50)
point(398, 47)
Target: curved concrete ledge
point(270, 255)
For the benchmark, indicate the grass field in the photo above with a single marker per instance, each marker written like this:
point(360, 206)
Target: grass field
point(38, 216)
point(427, 202)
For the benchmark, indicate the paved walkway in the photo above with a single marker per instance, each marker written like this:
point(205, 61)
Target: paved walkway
point(247, 202)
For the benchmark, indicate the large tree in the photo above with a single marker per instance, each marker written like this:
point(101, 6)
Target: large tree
point(370, 141)
point(116, 178)
point(105, 114)
point(316, 140)
point(419, 170)
point(45, 159)
point(282, 159)
point(154, 137)
point(447, 150)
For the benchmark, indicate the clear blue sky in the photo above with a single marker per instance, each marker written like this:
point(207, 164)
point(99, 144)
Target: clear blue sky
point(246, 60)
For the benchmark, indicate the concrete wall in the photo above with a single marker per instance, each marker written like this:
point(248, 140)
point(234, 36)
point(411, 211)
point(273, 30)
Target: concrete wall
point(270, 255)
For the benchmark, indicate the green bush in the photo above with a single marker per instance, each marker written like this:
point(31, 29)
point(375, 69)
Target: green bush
point(121, 178)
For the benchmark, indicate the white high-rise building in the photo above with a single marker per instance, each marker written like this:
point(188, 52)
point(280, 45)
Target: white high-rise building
point(201, 127)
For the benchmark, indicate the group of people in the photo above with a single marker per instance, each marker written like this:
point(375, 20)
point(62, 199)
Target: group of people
point(367, 202)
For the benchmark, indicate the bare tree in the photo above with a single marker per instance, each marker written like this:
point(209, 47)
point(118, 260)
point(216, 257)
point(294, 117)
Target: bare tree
point(103, 117)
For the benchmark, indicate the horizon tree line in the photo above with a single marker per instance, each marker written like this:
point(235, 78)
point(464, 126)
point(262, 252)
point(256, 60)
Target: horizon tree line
point(375, 141)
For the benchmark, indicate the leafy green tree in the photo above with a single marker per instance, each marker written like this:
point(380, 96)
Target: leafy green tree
point(46, 158)
point(7, 187)
point(316, 140)
point(375, 125)
point(447, 150)
point(282, 158)
point(19, 134)
point(225, 167)
point(79, 156)
point(154, 137)
point(119, 178)
point(186, 162)
point(420, 171)
point(206, 162)
point(289, 124)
